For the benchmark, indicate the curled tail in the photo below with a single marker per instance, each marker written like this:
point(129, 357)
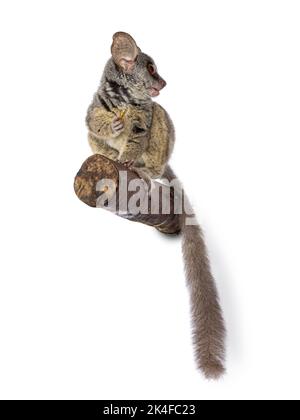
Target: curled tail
point(208, 324)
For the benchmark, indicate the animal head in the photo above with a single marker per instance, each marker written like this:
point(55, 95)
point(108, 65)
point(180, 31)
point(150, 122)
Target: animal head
point(133, 69)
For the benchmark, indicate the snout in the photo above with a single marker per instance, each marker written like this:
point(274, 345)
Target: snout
point(157, 87)
point(162, 83)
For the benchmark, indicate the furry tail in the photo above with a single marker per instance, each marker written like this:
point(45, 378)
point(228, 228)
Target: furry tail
point(208, 324)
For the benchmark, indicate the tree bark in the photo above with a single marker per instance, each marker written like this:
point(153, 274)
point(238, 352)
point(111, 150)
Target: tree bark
point(92, 188)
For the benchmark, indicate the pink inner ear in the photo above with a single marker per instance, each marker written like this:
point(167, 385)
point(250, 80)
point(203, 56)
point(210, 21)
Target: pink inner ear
point(124, 51)
point(127, 65)
point(127, 58)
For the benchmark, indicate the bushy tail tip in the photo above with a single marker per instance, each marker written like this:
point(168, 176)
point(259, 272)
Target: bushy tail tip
point(213, 370)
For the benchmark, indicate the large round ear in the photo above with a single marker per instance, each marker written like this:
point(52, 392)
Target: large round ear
point(124, 51)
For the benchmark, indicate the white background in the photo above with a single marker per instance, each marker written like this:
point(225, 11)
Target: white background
point(93, 306)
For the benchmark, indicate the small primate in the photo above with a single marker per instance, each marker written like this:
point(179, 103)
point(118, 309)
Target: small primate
point(126, 125)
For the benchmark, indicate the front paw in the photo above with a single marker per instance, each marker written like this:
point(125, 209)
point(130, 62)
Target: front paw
point(117, 126)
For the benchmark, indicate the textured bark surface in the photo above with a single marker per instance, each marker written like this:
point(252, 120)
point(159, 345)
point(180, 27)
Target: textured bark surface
point(98, 167)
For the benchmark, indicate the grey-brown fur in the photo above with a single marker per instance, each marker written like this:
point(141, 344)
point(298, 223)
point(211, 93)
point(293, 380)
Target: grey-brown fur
point(208, 324)
point(126, 125)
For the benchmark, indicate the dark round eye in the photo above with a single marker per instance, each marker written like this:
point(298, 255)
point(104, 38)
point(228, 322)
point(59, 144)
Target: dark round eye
point(151, 69)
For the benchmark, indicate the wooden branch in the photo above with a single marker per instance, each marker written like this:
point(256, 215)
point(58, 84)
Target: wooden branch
point(99, 168)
